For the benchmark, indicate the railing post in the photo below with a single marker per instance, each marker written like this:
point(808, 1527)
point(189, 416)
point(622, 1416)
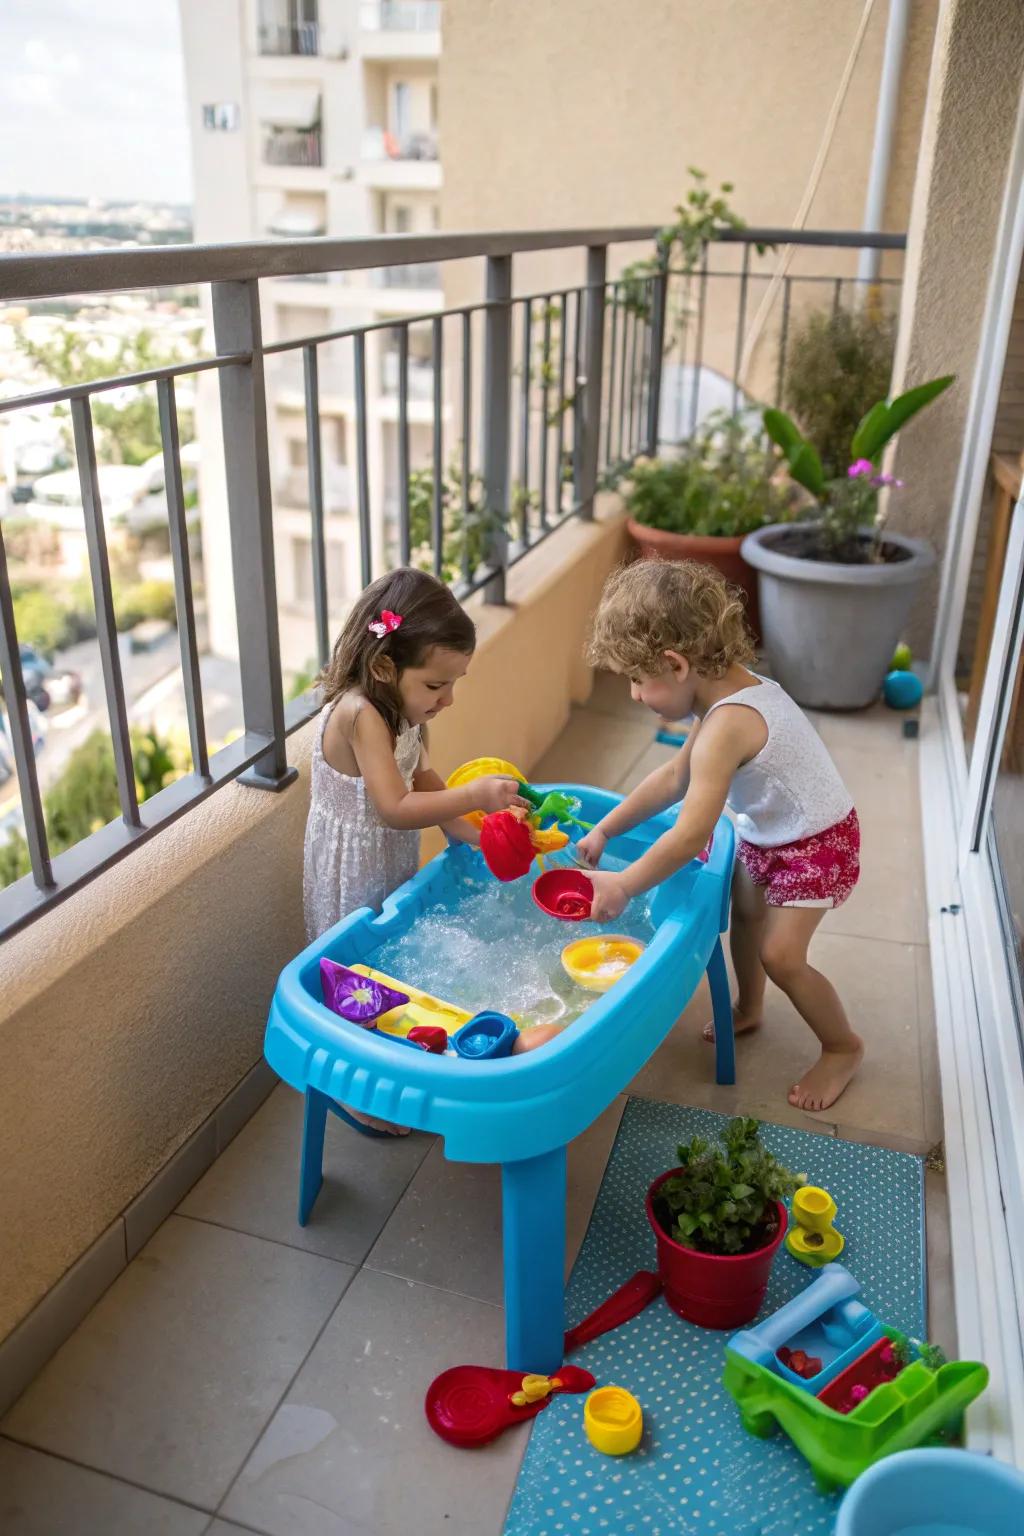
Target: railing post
point(659, 307)
point(591, 385)
point(243, 398)
point(497, 388)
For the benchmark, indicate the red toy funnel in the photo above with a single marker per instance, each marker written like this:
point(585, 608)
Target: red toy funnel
point(471, 1404)
point(564, 893)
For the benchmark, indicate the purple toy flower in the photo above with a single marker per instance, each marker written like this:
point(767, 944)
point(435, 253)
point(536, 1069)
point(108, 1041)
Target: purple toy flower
point(861, 468)
point(357, 998)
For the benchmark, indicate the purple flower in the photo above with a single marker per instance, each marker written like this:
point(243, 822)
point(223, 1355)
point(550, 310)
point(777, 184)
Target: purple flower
point(860, 467)
point(887, 480)
point(357, 998)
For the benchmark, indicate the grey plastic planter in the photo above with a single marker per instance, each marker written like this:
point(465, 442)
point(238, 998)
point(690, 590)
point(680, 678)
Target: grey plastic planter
point(830, 630)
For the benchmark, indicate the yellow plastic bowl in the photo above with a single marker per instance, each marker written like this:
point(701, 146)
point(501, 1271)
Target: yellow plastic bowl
point(598, 963)
point(613, 1420)
point(479, 768)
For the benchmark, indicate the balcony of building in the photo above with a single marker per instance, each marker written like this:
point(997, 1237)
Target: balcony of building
point(176, 1348)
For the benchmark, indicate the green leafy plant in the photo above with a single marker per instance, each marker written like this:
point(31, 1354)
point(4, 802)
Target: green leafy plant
point(468, 532)
point(84, 797)
point(723, 1199)
point(838, 362)
point(722, 483)
point(842, 507)
point(701, 217)
point(128, 429)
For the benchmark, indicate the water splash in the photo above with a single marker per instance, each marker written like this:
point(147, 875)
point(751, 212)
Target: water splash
point(486, 945)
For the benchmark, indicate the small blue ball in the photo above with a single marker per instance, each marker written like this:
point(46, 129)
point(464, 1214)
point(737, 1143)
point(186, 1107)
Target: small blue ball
point(903, 690)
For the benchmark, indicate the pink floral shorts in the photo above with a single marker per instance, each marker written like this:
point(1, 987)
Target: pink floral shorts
point(818, 871)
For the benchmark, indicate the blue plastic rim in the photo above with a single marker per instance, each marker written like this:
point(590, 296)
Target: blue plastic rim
point(934, 1493)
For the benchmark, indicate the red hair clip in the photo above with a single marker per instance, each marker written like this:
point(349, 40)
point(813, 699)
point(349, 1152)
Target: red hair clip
point(387, 622)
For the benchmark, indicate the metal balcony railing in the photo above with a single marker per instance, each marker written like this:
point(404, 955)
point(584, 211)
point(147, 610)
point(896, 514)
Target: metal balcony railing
point(293, 146)
point(290, 39)
point(400, 16)
point(548, 392)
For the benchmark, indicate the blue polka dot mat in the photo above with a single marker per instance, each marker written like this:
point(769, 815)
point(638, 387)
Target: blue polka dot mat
point(697, 1472)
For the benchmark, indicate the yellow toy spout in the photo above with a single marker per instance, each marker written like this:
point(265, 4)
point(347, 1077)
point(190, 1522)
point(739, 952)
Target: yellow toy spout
point(812, 1238)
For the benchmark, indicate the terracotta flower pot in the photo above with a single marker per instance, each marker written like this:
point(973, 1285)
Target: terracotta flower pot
point(712, 1290)
point(722, 553)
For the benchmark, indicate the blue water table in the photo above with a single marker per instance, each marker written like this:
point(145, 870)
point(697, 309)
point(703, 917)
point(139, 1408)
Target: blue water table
point(520, 1110)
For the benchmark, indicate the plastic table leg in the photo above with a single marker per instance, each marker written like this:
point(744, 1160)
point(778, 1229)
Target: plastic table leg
point(533, 1221)
point(311, 1163)
point(721, 1003)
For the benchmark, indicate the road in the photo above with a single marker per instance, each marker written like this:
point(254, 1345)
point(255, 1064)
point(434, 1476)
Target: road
point(155, 695)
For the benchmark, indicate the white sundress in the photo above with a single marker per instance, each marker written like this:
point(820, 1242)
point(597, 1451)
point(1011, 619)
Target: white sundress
point(350, 858)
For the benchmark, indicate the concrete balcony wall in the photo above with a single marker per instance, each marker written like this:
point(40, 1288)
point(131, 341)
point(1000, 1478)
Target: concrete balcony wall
point(131, 1012)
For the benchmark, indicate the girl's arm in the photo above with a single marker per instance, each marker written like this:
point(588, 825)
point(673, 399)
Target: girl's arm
point(723, 746)
point(412, 809)
point(661, 788)
point(427, 780)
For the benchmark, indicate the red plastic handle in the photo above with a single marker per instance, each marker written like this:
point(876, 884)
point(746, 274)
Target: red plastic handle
point(625, 1303)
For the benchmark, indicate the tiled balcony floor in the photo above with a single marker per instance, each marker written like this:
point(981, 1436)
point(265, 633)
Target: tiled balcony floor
point(245, 1374)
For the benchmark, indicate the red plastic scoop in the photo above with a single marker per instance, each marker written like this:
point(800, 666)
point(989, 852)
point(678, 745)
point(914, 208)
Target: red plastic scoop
point(471, 1404)
point(625, 1303)
point(564, 893)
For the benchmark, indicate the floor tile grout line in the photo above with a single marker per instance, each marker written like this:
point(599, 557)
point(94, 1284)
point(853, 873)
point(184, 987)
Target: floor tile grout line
point(287, 1388)
point(116, 1477)
point(430, 1285)
point(357, 1270)
point(310, 1253)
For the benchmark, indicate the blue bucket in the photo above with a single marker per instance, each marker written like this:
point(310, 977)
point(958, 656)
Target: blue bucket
point(934, 1493)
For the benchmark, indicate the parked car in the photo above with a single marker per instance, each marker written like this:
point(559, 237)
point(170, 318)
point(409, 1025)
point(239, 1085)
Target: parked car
point(37, 725)
point(133, 495)
point(46, 684)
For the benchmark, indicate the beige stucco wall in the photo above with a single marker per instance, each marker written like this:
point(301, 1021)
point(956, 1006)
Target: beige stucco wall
point(131, 1011)
point(968, 133)
point(589, 112)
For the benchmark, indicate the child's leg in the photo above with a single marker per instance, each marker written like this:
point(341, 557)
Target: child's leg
point(746, 932)
point(787, 934)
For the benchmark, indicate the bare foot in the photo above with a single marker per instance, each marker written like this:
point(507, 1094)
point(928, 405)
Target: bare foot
point(375, 1124)
point(821, 1086)
point(741, 1023)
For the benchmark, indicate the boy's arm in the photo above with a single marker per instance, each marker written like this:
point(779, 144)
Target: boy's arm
point(720, 750)
point(661, 788)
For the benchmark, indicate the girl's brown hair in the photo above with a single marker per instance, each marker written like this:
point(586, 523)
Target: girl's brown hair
point(654, 606)
point(373, 664)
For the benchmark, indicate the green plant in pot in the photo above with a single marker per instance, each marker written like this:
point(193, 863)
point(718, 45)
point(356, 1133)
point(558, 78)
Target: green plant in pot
point(836, 586)
point(701, 504)
point(718, 1220)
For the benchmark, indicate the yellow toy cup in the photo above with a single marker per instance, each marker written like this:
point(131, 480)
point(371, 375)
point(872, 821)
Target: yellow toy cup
point(613, 1420)
point(480, 768)
point(813, 1208)
point(598, 963)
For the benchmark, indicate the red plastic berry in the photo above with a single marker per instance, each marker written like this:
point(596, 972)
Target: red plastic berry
point(785, 1354)
point(798, 1361)
point(858, 1394)
point(812, 1367)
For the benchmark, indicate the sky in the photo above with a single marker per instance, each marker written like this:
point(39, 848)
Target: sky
point(92, 100)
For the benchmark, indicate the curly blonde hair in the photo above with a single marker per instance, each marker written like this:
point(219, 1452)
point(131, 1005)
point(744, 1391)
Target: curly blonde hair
point(654, 606)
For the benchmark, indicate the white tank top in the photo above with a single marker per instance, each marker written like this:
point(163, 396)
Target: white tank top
point(791, 789)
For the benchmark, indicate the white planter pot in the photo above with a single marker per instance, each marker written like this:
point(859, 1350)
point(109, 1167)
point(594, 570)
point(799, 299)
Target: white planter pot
point(829, 630)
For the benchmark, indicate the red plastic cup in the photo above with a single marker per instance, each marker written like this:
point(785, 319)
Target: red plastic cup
point(564, 893)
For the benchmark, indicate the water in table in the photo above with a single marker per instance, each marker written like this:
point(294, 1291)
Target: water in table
point(493, 949)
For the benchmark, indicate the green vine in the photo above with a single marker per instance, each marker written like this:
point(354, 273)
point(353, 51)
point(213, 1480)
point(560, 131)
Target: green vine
point(701, 217)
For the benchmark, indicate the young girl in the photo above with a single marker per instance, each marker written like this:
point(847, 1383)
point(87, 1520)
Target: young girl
point(677, 631)
point(394, 668)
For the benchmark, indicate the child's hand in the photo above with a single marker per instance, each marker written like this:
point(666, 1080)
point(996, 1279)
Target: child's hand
point(610, 897)
point(496, 793)
point(590, 848)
